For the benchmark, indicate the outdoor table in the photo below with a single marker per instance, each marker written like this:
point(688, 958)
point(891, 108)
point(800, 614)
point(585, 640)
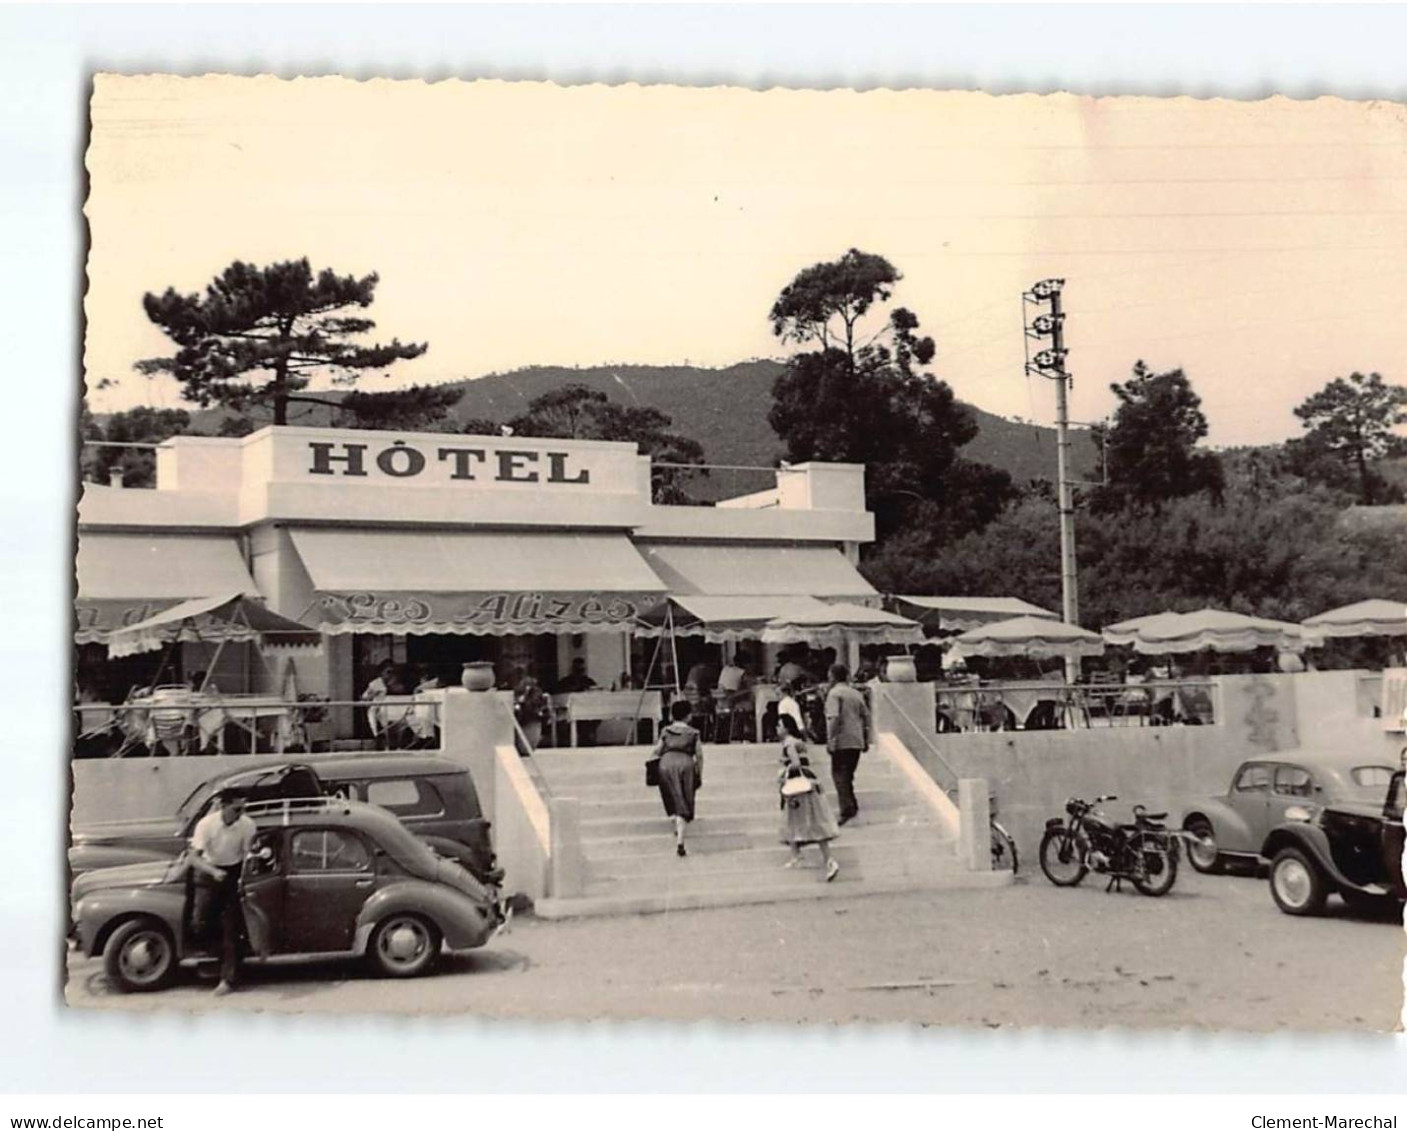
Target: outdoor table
point(156, 718)
point(420, 712)
point(596, 706)
point(1022, 698)
point(212, 712)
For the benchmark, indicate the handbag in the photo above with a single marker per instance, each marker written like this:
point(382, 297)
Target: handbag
point(796, 786)
point(652, 770)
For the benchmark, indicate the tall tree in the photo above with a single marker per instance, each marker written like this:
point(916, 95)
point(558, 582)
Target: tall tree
point(1150, 450)
point(416, 408)
point(1352, 421)
point(582, 413)
point(1273, 549)
point(862, 397)
point(280, 321)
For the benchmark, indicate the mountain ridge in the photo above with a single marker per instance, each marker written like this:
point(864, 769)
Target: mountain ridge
point(724, 409)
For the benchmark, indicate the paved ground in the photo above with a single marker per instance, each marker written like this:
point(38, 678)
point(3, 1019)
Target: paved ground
point(1215, 952)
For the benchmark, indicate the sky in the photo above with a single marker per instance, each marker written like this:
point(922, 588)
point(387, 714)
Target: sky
point(1258, 246)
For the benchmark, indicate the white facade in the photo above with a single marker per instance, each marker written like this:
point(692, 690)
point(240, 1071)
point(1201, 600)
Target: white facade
point(436, 515)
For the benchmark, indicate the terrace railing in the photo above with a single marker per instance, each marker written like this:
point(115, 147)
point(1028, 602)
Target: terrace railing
point(1061, 706)
point(179, 722)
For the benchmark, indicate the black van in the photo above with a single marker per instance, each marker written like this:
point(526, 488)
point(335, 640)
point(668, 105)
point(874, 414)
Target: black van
point(433, 797)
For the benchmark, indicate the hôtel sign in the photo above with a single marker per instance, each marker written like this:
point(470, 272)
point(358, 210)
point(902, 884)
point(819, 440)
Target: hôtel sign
point(446, 461)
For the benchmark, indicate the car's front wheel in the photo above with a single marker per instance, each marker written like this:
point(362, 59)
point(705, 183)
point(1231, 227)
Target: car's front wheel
point(1202, 851)
point(140, 956)
point(1296, 883)
point(404, 946)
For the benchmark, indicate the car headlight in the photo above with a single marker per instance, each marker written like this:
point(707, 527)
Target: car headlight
point(1299, 813)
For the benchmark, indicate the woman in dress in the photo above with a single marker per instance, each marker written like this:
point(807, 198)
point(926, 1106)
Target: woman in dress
point(680, 752)
point(807, 818)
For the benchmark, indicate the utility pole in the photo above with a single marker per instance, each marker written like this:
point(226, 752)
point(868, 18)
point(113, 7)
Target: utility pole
point(1050, 364)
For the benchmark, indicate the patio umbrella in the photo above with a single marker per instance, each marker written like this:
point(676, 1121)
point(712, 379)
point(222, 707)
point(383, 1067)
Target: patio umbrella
point(958, 614)
point(1364, 618)
point(1215, 629)
point(722, 619)
point(1036, 637)
point(220, 620)
point(832, 626)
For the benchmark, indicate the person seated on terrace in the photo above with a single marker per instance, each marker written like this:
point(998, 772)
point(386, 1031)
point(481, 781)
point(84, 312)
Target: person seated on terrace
point(792, 672)
point(734, 677)
point(576, 679)
point(702, 678)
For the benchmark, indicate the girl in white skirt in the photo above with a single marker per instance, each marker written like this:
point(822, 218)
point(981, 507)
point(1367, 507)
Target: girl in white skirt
point(806, 817)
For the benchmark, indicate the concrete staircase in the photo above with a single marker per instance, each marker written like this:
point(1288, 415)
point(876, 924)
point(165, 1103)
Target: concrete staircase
point(735, 852)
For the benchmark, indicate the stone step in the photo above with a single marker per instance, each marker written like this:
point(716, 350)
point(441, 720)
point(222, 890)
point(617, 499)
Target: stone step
point(707, 835)
point(563, 778)
point(690, 899)
point(712, 818)
point(899, 855)
point(732, 801)
point(616, 758)
point(855, 869)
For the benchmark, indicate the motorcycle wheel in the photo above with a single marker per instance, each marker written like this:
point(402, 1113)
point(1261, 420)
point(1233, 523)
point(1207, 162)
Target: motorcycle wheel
point(1157, 870)
point(1063, 858)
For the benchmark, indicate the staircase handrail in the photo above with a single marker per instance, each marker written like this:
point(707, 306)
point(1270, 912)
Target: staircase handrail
point(932, 746)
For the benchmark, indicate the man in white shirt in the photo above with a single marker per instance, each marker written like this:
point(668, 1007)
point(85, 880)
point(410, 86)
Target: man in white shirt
point(220, 842)
point(379, 688)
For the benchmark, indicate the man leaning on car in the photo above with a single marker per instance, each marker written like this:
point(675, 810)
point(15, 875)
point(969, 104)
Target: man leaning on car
point(219, 843)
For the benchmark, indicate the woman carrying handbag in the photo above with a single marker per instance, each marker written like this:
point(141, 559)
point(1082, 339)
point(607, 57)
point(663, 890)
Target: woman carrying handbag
point(677, 768)
point(806, 817)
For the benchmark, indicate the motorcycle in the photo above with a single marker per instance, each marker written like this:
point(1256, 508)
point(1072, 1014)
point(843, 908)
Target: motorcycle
point(1085, 841)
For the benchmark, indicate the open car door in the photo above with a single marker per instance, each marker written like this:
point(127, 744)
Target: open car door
point(262, 892)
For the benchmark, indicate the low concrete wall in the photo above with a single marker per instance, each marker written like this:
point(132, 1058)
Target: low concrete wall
point(522, 826)
point(122, 789)
point(1031, 773)
point(126, 789)
point(889, 747)
point(1333, 714)
point(475, 725)
point(908, 711)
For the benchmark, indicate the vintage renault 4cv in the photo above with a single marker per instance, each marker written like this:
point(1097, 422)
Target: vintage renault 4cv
point(327, 877)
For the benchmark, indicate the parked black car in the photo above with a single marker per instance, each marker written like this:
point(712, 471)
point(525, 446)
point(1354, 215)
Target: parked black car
point(433, 797)
point(1349, 848)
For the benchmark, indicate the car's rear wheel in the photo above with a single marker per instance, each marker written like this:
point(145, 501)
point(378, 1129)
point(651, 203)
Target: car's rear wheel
point(1202, 851)
point(140, 956)
point(404, 946)
point(1296, 884)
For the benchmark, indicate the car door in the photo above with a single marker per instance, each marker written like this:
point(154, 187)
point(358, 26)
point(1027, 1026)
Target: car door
point(1392, 836)
point(1291, 786)
point(330, 876)
point(1250, 797)
point(262, 892)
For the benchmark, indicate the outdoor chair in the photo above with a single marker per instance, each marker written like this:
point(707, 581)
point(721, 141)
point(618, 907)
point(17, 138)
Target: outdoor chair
point(170, 719)
point(732, 715)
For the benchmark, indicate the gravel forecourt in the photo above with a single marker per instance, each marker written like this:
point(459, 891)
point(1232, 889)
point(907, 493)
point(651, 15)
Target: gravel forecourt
point(1215, 952)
